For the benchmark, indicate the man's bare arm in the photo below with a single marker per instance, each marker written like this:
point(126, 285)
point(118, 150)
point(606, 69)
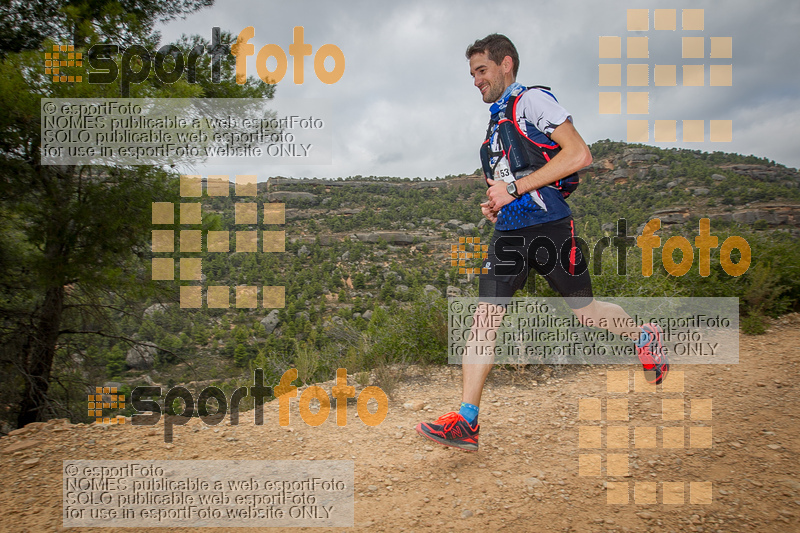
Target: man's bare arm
point(574, 155)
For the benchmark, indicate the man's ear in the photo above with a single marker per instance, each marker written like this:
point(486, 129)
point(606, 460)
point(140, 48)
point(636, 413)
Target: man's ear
point(507, 64)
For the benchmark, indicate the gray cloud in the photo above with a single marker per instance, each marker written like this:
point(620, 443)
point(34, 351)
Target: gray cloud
point(406, 105)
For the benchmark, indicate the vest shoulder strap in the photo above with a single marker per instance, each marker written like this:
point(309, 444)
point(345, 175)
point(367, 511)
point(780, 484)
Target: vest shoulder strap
point(510, 104)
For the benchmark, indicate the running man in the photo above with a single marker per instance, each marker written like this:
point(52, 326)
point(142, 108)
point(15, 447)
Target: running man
point(528, 207)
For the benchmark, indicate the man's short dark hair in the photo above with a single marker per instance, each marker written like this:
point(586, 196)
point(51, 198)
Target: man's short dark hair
point(496, 47)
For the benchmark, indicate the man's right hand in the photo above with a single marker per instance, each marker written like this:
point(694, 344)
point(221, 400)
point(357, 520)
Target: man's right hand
point(488, 213)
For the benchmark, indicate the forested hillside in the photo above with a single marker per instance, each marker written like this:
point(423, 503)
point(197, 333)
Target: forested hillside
point(367, 270)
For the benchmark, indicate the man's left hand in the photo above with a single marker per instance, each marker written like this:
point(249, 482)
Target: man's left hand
point(498, 195)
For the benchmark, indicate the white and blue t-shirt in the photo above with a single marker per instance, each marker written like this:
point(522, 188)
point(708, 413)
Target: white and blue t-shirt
point(538, 113)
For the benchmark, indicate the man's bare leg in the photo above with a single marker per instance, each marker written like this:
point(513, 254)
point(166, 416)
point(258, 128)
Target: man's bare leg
point(650, 349)
point(608, 316)
point(478, 362)
point(455, 429)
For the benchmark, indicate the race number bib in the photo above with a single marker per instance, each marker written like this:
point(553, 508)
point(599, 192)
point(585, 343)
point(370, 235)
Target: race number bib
point(502, 172)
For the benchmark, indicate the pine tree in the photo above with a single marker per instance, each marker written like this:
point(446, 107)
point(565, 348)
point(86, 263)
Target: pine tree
point(74, 237)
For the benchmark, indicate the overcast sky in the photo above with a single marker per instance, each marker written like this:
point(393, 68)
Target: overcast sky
point(406, 106)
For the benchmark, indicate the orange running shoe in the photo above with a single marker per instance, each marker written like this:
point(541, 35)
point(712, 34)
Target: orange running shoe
point(653, 355)
point(451, 430)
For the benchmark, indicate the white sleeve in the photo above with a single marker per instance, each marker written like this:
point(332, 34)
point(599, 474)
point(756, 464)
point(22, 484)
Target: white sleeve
point(541, 110)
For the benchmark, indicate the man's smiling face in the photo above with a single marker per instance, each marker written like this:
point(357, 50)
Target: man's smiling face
point(490, 78)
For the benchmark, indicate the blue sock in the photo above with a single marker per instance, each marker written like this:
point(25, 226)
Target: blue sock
point(644, 338)
point(469, 412)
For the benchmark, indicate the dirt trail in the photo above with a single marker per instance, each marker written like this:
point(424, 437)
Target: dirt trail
point(526, 475)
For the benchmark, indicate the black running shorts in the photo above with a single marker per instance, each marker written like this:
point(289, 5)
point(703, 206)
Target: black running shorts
point(550, 249)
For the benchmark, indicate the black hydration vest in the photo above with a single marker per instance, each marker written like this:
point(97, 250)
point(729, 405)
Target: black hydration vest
point(521, 152)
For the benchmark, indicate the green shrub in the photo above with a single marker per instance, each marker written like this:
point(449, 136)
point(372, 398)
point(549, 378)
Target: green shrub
point(306, 361)
point(417, 334)
point(753, 324)
point(115, 362)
